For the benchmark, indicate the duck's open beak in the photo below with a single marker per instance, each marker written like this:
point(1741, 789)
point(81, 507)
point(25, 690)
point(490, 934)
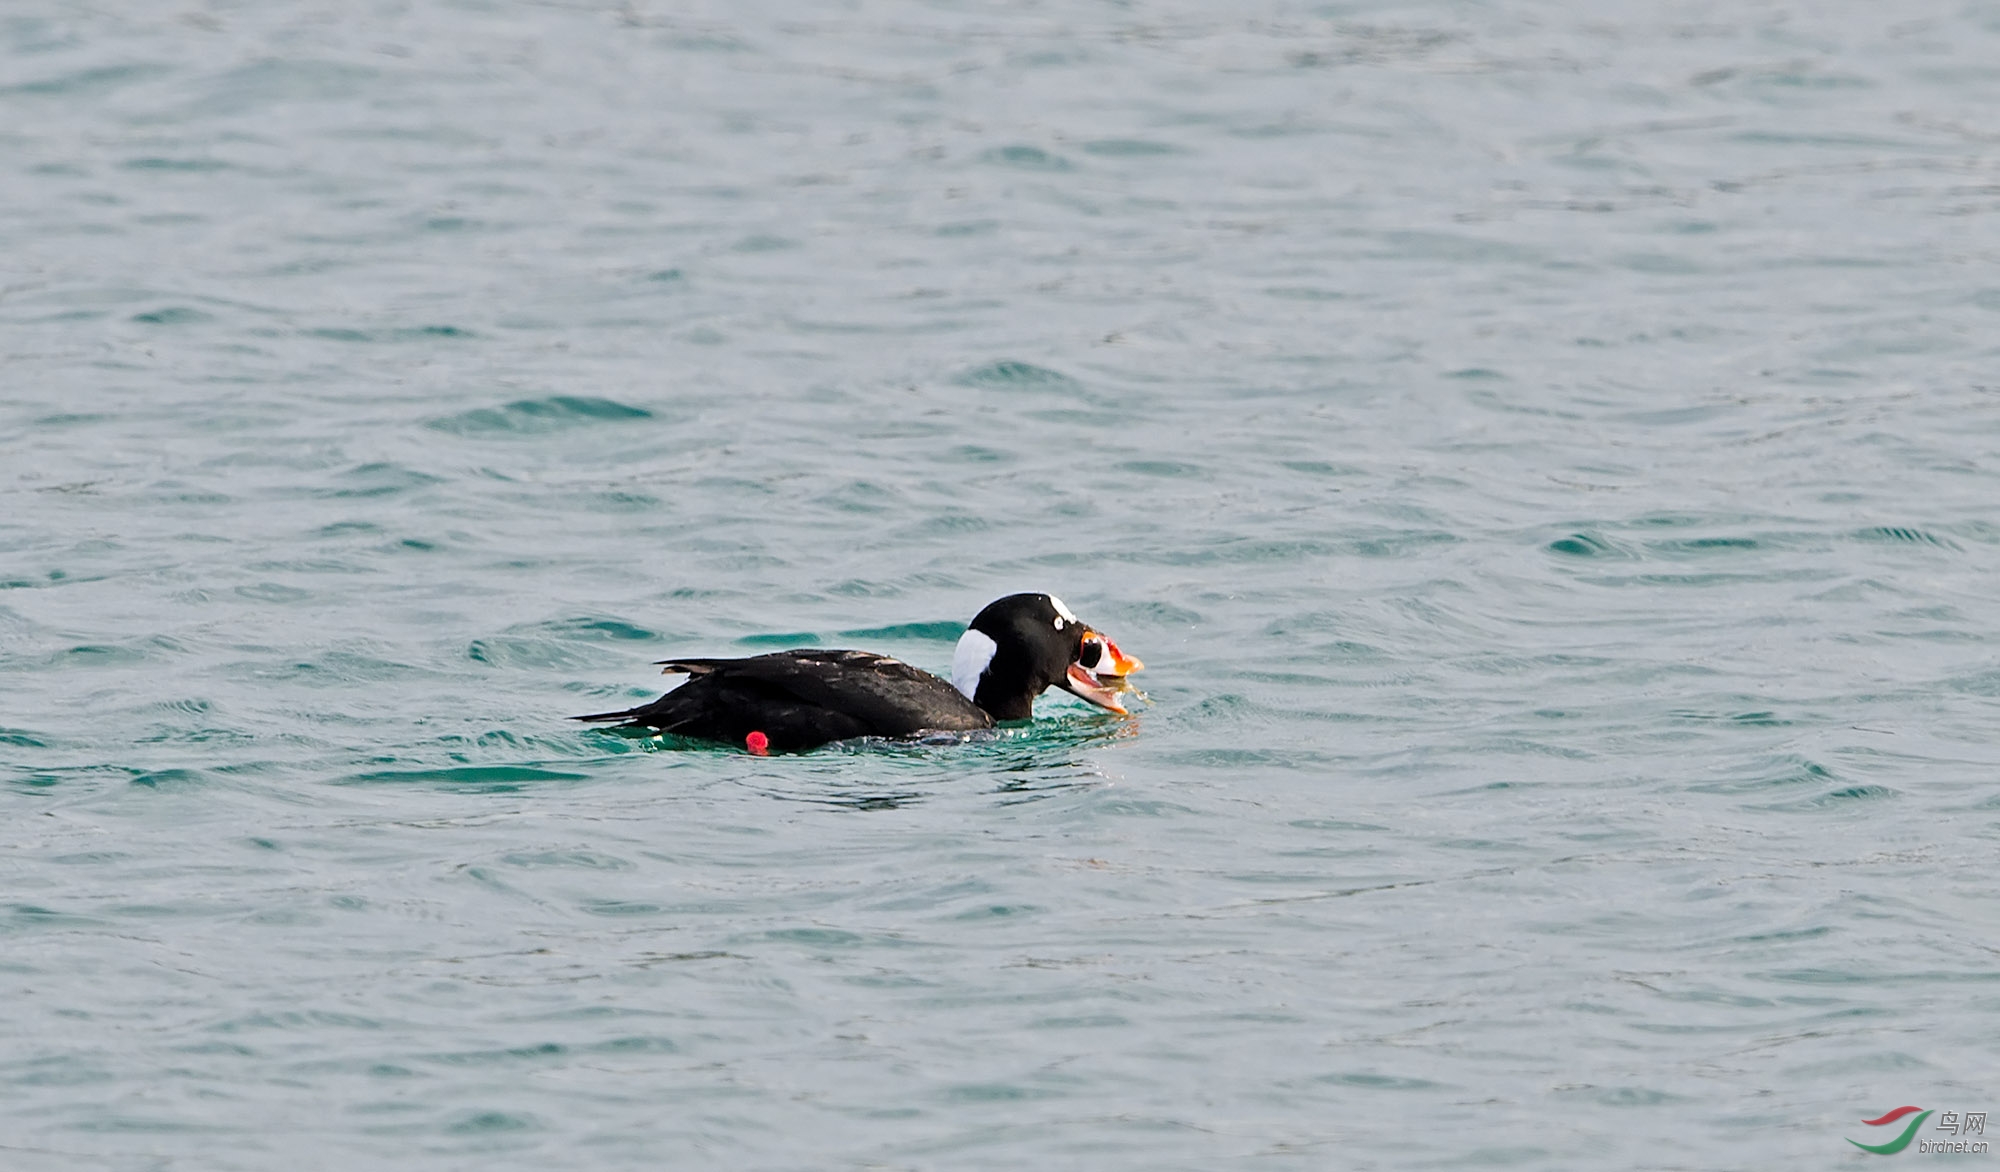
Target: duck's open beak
point(1105, 679)
point(1117, 663)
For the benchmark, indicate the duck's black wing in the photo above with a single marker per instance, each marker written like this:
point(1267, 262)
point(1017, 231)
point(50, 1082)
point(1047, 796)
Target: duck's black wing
point(801, 699)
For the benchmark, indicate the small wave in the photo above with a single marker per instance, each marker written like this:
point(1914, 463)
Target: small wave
point(1021, 375)
point(1898, 534)
point(538, 416)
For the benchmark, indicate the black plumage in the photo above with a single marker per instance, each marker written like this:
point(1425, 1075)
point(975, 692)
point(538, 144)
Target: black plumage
point(788, 701)
point(801, 699)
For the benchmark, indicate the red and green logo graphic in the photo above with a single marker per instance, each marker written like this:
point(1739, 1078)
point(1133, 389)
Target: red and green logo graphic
point(1900, 1142)
point(1953, 1123)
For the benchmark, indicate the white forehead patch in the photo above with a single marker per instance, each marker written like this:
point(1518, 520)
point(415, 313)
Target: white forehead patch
point(970, 661)
point(1061, 610)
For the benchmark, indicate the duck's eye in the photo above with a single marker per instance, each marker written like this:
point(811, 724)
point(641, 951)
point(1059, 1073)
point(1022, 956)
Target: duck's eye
point(1092, 651)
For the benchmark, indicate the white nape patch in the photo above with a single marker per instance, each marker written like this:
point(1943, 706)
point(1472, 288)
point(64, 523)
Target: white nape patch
point(970, 661)
point(1061, 610)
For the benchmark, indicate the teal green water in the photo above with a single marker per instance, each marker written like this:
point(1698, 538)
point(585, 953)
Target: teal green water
point(1546, 455)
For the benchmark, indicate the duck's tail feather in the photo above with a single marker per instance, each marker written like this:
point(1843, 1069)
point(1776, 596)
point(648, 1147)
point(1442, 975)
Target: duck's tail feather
point(607, 717)
point(644, 716)
point(666, 713)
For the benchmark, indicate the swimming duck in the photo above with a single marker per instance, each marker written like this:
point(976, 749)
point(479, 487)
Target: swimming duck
point(788, 701)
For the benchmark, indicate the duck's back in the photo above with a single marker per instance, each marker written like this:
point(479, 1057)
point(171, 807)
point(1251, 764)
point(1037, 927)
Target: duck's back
point(803, 698)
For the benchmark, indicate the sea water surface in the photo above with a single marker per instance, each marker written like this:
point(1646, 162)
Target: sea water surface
point(1546, 453)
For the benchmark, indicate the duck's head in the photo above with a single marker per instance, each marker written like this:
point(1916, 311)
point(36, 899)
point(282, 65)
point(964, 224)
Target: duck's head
point(1023, 644)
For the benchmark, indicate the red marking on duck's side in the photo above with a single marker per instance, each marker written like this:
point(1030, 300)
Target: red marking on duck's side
point(758, 744)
